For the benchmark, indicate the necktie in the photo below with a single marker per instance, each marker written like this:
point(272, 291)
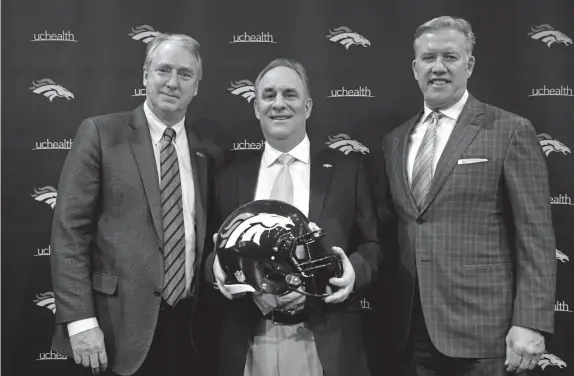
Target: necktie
point(422, 167)
point(172, 215)
point(283, 186)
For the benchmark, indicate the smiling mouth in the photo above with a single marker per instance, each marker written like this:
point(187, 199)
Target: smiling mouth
point(439, 82)
point(170, 95)
point(280, 117)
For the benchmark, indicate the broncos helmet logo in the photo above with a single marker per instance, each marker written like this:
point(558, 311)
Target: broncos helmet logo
point(245, 88)
point(549, 144)
point(250, 227)
point(551, 360)
point(145, 33)
point(345, 144)
point(346, 37)
point(45, 194)
point(46, 300)
point(561, 256)
point(50, 89)
point(548, 35)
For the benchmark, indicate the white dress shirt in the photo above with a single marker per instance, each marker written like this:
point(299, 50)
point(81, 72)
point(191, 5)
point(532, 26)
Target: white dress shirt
point(300, 171)
point(156, 129)
point(444, 129)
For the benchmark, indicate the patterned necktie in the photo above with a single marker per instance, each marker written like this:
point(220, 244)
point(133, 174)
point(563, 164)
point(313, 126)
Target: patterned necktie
point(283, 186)
point(172, 214)
point(422, 168)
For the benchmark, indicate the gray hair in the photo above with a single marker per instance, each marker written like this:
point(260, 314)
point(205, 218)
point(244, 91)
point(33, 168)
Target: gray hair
point(288, 63)
point(448, 22)
point(185, 41)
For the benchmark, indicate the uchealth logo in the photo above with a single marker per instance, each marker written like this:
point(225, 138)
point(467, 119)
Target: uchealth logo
point(246, 145)
point(253, 38)
point(243, 88)
point(346, 144)
point(51, 355)
point(46, 194)
point(45, 36)
point(144, 33)
point(50, 89)
point(562, 91)
point(561, 199)
point(43, 252)
point(347, 37)
point(562, 306)
point(46, 300)
point(560, 256)
point(549, 35)
point(551, 360)
point(361, 91)
point(139, 92)
point(366, 304)
point(550, 145)
point(66, 144)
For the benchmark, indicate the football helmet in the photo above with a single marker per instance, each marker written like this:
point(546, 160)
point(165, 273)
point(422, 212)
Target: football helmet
point(271, 246)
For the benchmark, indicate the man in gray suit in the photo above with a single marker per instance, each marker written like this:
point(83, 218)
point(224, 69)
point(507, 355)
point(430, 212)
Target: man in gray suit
point(470, 190)
point(129, 226)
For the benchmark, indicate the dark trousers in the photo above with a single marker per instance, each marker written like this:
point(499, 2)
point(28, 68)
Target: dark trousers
point(421, 358)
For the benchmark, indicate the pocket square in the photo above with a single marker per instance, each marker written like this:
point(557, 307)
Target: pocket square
point(326, 165)
point(471, 160)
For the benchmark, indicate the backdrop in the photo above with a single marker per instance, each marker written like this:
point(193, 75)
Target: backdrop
point(65, 60)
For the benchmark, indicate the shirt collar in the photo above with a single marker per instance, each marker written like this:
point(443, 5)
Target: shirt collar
point(157, 127)
point(453, 112)
point(300, 152)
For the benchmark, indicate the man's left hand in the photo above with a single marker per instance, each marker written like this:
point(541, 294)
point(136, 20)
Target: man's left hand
point(524, 347)
point(345, 283)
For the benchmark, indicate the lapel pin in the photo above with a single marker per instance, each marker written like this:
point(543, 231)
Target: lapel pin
point(326, 165)
point(199, 154)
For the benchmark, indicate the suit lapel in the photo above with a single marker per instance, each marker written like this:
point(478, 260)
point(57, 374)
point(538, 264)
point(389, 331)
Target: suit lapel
point(402, 149)
point(198, 157)
point(465, 130)
point(247, 173)
point(322, 166)
point(140, 140)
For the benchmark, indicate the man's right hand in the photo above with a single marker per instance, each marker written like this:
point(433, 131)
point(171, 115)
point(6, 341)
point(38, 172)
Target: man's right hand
point(220, 278)
point(89, 349)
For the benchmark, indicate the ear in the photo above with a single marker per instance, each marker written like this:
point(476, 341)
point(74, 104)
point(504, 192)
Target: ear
point(414, 69)
point(308, 107)
point(145, 77)
point(255, 109)
point(470, 65)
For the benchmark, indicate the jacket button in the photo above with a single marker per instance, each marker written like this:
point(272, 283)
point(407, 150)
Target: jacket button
point(157, 292)
point(420, 221)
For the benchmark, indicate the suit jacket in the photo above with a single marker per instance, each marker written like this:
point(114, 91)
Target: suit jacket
point(482, 246)
point(341, 203)
point(107, 234)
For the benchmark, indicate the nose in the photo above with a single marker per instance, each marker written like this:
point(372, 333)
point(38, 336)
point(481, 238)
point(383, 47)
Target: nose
point(279, 101)
point(438, 65)
point(172, 81)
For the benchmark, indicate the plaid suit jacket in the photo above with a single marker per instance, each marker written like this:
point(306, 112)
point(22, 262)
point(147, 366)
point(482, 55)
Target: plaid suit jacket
point(107, 234)
point(482, 247)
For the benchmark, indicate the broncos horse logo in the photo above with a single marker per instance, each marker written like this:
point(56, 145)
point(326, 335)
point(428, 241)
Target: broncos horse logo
point(345, 144)
point(46, 194)
point(346, 37)
point(549, 145)
point(244, 88)
point(548, 35)
point(561, 256)
point(50, 89)
point(46, 300)
point(145, 33)
point(551, 360)
point(250, 227)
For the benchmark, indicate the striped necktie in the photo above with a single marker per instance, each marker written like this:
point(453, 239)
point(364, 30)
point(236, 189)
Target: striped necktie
point(173, 226)
point(422, 168)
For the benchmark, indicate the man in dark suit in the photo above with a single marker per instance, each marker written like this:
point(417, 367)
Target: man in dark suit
point(322, 337)
point(129, 226)
point(470, 190)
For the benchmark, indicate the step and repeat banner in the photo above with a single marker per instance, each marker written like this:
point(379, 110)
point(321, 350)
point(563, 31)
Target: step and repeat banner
point(63, 61)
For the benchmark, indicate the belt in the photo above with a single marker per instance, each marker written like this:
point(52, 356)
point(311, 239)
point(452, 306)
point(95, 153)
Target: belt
point(287, 317)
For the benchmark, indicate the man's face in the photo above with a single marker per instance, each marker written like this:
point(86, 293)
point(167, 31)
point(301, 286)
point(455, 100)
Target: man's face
point(282, 105)
point(442, 66)
point(171, 81)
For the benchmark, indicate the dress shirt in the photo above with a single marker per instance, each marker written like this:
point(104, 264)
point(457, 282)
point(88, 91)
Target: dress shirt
point(156, 129)
point(444, 129)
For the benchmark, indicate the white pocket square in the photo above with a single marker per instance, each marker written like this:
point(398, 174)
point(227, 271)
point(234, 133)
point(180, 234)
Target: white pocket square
point(326, 165)
point(471, 160)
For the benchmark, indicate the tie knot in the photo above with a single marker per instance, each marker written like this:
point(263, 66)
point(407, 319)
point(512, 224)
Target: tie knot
point(168, 134)
point(434, 116)
point(286, 159)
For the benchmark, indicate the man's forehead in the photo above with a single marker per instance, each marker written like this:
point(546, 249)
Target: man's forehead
point(281, 78)
point(441, 37)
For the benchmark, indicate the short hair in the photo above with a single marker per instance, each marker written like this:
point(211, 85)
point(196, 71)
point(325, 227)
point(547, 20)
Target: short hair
point(288, 63)
point(448, 22)
point(185, 41)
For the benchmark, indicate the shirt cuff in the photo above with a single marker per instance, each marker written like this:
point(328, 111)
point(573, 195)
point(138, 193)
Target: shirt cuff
point(79, 326)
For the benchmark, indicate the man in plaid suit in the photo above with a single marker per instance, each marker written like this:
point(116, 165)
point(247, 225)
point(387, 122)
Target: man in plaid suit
point(470, 190)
